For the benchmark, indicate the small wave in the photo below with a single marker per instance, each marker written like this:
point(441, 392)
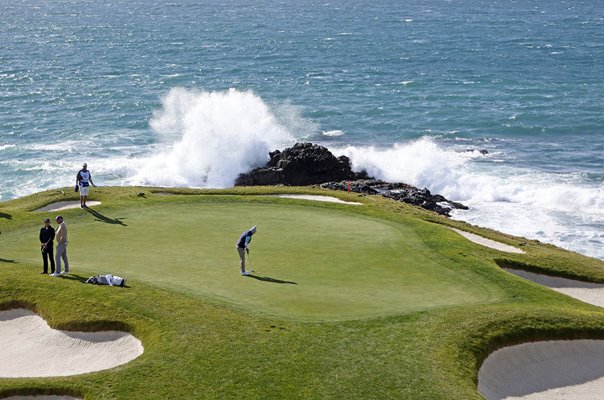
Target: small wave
point(333, 133)
point(69, 146)
point(7, 146)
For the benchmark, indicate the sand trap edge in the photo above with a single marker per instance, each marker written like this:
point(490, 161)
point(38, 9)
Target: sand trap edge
point(588, 292)
point(488, 242)
point(28, 345)
point(556, 369)
point(312, 197)
point(65, 205)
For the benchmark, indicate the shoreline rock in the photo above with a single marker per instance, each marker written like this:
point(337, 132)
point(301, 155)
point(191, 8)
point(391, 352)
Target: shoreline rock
point(300, 165)
point(400, 192)
point(306, 164)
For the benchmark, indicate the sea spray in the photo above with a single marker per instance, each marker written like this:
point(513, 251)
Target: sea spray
point(209, 138)
point(558, 208)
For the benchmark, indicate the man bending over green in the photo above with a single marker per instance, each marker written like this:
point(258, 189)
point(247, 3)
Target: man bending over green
point(243, 246)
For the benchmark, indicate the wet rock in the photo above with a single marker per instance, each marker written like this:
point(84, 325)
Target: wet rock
point(300, 165)
point(309, 164)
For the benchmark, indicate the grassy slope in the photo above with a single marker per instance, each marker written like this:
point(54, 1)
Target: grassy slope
point(329, 263)
point(199, 346)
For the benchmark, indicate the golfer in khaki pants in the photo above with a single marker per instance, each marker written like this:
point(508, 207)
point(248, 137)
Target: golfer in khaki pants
point(243, 245)
point(61, 249)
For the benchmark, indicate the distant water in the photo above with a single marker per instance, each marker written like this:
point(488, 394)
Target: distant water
point(193, 92)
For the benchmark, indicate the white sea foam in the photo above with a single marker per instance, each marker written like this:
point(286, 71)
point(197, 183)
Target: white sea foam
point(209, 138)
point(555, 208)
point(333, 133)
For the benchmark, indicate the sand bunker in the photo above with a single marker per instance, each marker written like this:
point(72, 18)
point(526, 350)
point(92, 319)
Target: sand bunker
point(318, 198)
point(558, 369)
point(592, 293)
point(29, 348)
point(64, 205)
point(488, 242)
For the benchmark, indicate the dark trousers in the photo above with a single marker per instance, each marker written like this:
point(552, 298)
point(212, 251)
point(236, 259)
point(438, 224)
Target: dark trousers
point(46, 254)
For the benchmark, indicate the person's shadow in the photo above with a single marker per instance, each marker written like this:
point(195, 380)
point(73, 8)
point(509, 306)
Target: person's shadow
point(79, 278)
point(6, 216)
point(73, 277)
point(271, 280)
point(102, 218)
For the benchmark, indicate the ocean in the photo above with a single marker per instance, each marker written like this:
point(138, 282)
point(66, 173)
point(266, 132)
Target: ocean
point(194, 92)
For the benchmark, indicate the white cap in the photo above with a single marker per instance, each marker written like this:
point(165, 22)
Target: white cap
point(253, 230)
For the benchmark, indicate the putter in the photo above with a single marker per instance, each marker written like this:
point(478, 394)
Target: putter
point(249, 259)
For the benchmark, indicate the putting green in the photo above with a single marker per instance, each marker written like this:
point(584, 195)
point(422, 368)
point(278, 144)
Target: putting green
point(313, 263)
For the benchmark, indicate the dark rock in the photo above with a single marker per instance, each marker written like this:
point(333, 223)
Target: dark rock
point(482, 151)
point(299, 165)
point(308, 164)
point(399, 192)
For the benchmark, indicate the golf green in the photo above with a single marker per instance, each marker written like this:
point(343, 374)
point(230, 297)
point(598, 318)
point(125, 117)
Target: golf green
point(375, 301)
point(310, 262)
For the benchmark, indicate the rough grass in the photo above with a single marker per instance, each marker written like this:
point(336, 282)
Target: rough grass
point(213, 334)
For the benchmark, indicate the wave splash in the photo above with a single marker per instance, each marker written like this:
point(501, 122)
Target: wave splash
point(557, 208)
point(207, 139)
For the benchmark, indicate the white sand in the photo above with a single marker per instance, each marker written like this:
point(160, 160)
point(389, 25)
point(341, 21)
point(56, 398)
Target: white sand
point(30, 348)
point(592, 293)
point(488, 242)
point(64, 205)
point(560, 369)
point(318, 198)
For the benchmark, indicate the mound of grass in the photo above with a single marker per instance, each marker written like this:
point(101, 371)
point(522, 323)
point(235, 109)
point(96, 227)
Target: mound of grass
point(373, 301)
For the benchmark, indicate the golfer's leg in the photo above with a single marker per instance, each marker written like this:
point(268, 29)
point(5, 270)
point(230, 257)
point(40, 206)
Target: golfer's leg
point(242, 258)
point(52, 260)
point(65, 260)
point(45, 261)
point(58, 256)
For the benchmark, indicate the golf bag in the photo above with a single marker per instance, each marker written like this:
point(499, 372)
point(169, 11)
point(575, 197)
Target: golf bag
point(108, 279)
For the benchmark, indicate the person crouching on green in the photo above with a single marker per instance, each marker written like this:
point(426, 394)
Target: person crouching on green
point(243, 246)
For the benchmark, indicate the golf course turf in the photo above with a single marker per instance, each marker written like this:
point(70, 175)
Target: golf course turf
point(376, 301)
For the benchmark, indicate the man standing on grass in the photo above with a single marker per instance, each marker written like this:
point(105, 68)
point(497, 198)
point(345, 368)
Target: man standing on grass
point(61, 236)
point(83, 182)
point(47, 235)
point(243, 246)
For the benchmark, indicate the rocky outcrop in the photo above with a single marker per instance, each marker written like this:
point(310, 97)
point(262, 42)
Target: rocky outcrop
point(300, 165)
point(310, 164)
point(400, 192)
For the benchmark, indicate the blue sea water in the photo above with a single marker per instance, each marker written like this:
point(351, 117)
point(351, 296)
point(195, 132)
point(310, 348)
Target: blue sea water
point(193, 92)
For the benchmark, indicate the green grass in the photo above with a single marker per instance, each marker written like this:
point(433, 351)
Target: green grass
point(351, 302)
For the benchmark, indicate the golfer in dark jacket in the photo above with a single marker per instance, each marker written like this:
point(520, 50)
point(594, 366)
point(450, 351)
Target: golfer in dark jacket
point(47, 235)
point(243, 245)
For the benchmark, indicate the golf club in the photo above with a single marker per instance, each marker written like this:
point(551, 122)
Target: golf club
point(249, 259)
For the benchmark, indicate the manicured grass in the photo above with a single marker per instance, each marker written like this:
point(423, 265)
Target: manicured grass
point(352, 302)
point(310, 262)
